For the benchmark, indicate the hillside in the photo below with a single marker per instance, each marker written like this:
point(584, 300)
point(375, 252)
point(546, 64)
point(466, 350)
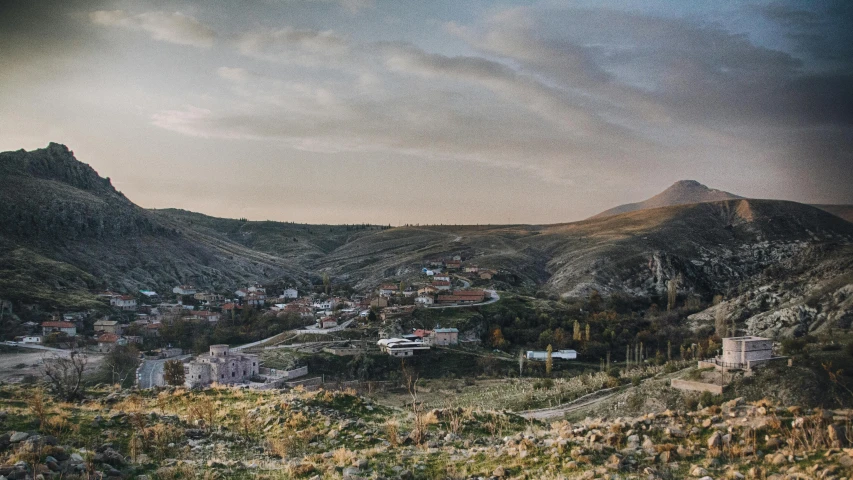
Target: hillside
point(94, 237)
point(66, 232)
point(683, 192)
point(841, 211)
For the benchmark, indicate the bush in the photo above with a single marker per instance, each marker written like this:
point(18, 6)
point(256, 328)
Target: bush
point(543, 384)
point(614, 372)
point(794, 346)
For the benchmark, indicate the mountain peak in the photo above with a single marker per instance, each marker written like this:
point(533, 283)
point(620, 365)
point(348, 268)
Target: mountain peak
point(55, 162)
point(682, 192)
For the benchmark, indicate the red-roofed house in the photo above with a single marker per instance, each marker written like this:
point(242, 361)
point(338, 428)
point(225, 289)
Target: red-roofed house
point(441, 285)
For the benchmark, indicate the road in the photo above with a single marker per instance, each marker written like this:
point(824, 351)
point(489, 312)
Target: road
point(150, 372)
point(562, 410)
point(58, 351)
point(494, 298)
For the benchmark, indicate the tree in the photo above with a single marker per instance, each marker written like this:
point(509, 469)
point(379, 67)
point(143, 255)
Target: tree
point(65, 374)
point(521, 362)
point(173, 373)
point(327, 282)
point(549, 361)
point(587, 332)
point(720, 321)
point(120, 364)
point(497, 339)
point(672, 292)
point(576, 334)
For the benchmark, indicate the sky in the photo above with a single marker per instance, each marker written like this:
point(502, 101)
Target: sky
point(453, 112)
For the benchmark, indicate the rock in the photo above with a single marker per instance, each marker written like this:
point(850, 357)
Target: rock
point(18, 437)
point(499, 472)
point(698, 471)
point(715, 440)
point(837, 435)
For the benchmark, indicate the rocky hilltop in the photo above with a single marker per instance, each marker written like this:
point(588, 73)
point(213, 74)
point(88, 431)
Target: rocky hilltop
point(683, 192)
point(64, 231)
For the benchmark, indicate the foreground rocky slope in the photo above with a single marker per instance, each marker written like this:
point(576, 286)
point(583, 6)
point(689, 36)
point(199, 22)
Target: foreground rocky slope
point(229, 433)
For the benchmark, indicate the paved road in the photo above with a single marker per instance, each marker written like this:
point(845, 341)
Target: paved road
point(323, 331)
point(150, 372)
point(58, 351)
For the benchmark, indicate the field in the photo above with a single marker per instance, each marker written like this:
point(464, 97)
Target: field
point(21, 364)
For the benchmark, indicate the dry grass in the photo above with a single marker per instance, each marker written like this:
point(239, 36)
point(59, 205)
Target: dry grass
point(343, 456)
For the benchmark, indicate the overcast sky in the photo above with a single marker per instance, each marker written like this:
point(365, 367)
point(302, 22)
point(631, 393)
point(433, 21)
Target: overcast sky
point(350, 111)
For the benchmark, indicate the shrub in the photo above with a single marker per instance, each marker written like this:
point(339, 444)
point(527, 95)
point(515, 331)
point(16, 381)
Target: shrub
point(794, 346)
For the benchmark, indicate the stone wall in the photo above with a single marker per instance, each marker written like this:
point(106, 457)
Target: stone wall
point(697, 386)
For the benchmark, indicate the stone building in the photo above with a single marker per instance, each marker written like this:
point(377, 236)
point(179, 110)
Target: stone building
point(746, 352)
point(220, 366)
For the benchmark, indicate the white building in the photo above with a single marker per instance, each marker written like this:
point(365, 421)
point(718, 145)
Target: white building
point(400, 347)
point(184, 290)
point(124, 302)
point(325, 304)
point(443, 277)
point(745, 352)
point(37, 339)
point(289, 293)
point(425, 299)
point(543, 355)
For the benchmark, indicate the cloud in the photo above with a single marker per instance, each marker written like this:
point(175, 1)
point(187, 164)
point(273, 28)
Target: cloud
point(167, 27)
point(293, 45)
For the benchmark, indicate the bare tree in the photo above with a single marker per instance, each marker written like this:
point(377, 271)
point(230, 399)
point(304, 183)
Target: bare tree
point(672, 292)
point(65, 374)
point(720, 321)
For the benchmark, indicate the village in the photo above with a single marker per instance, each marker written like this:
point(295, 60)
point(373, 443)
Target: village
point(141, 318)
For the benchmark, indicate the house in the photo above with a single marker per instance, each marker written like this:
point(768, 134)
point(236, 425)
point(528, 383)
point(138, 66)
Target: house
point(242, 292)
point(32, 339)
point(328, 322)
point(258, 288)
point(456, 299)
point(424, 299)
point(184, 290)
point(472, 269)
point(107, 342)
point(428, 290)
point(152, 330)
point(67, 328)
point(543, 355)
point(256, 298)
point(388, 289)
point(456, 258)
point(379, 302)
point(442, 277)
point(463, 297)
point(210, 317)
point(289, 293)
point(445, 336)
point(453, 264)
point(108, 326)
point(328, 304)
point(124, 302)
point(441, 285)
point(220, 365)
point(400, 347)
point(208, 297)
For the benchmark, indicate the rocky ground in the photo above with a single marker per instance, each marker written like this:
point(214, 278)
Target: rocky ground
point(233, 433)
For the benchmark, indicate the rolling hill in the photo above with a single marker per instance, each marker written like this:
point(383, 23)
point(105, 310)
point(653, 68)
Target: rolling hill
point(683, 192)
point(65, 232)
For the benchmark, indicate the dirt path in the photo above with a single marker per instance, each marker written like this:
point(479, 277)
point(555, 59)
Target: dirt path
point(559, 411)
